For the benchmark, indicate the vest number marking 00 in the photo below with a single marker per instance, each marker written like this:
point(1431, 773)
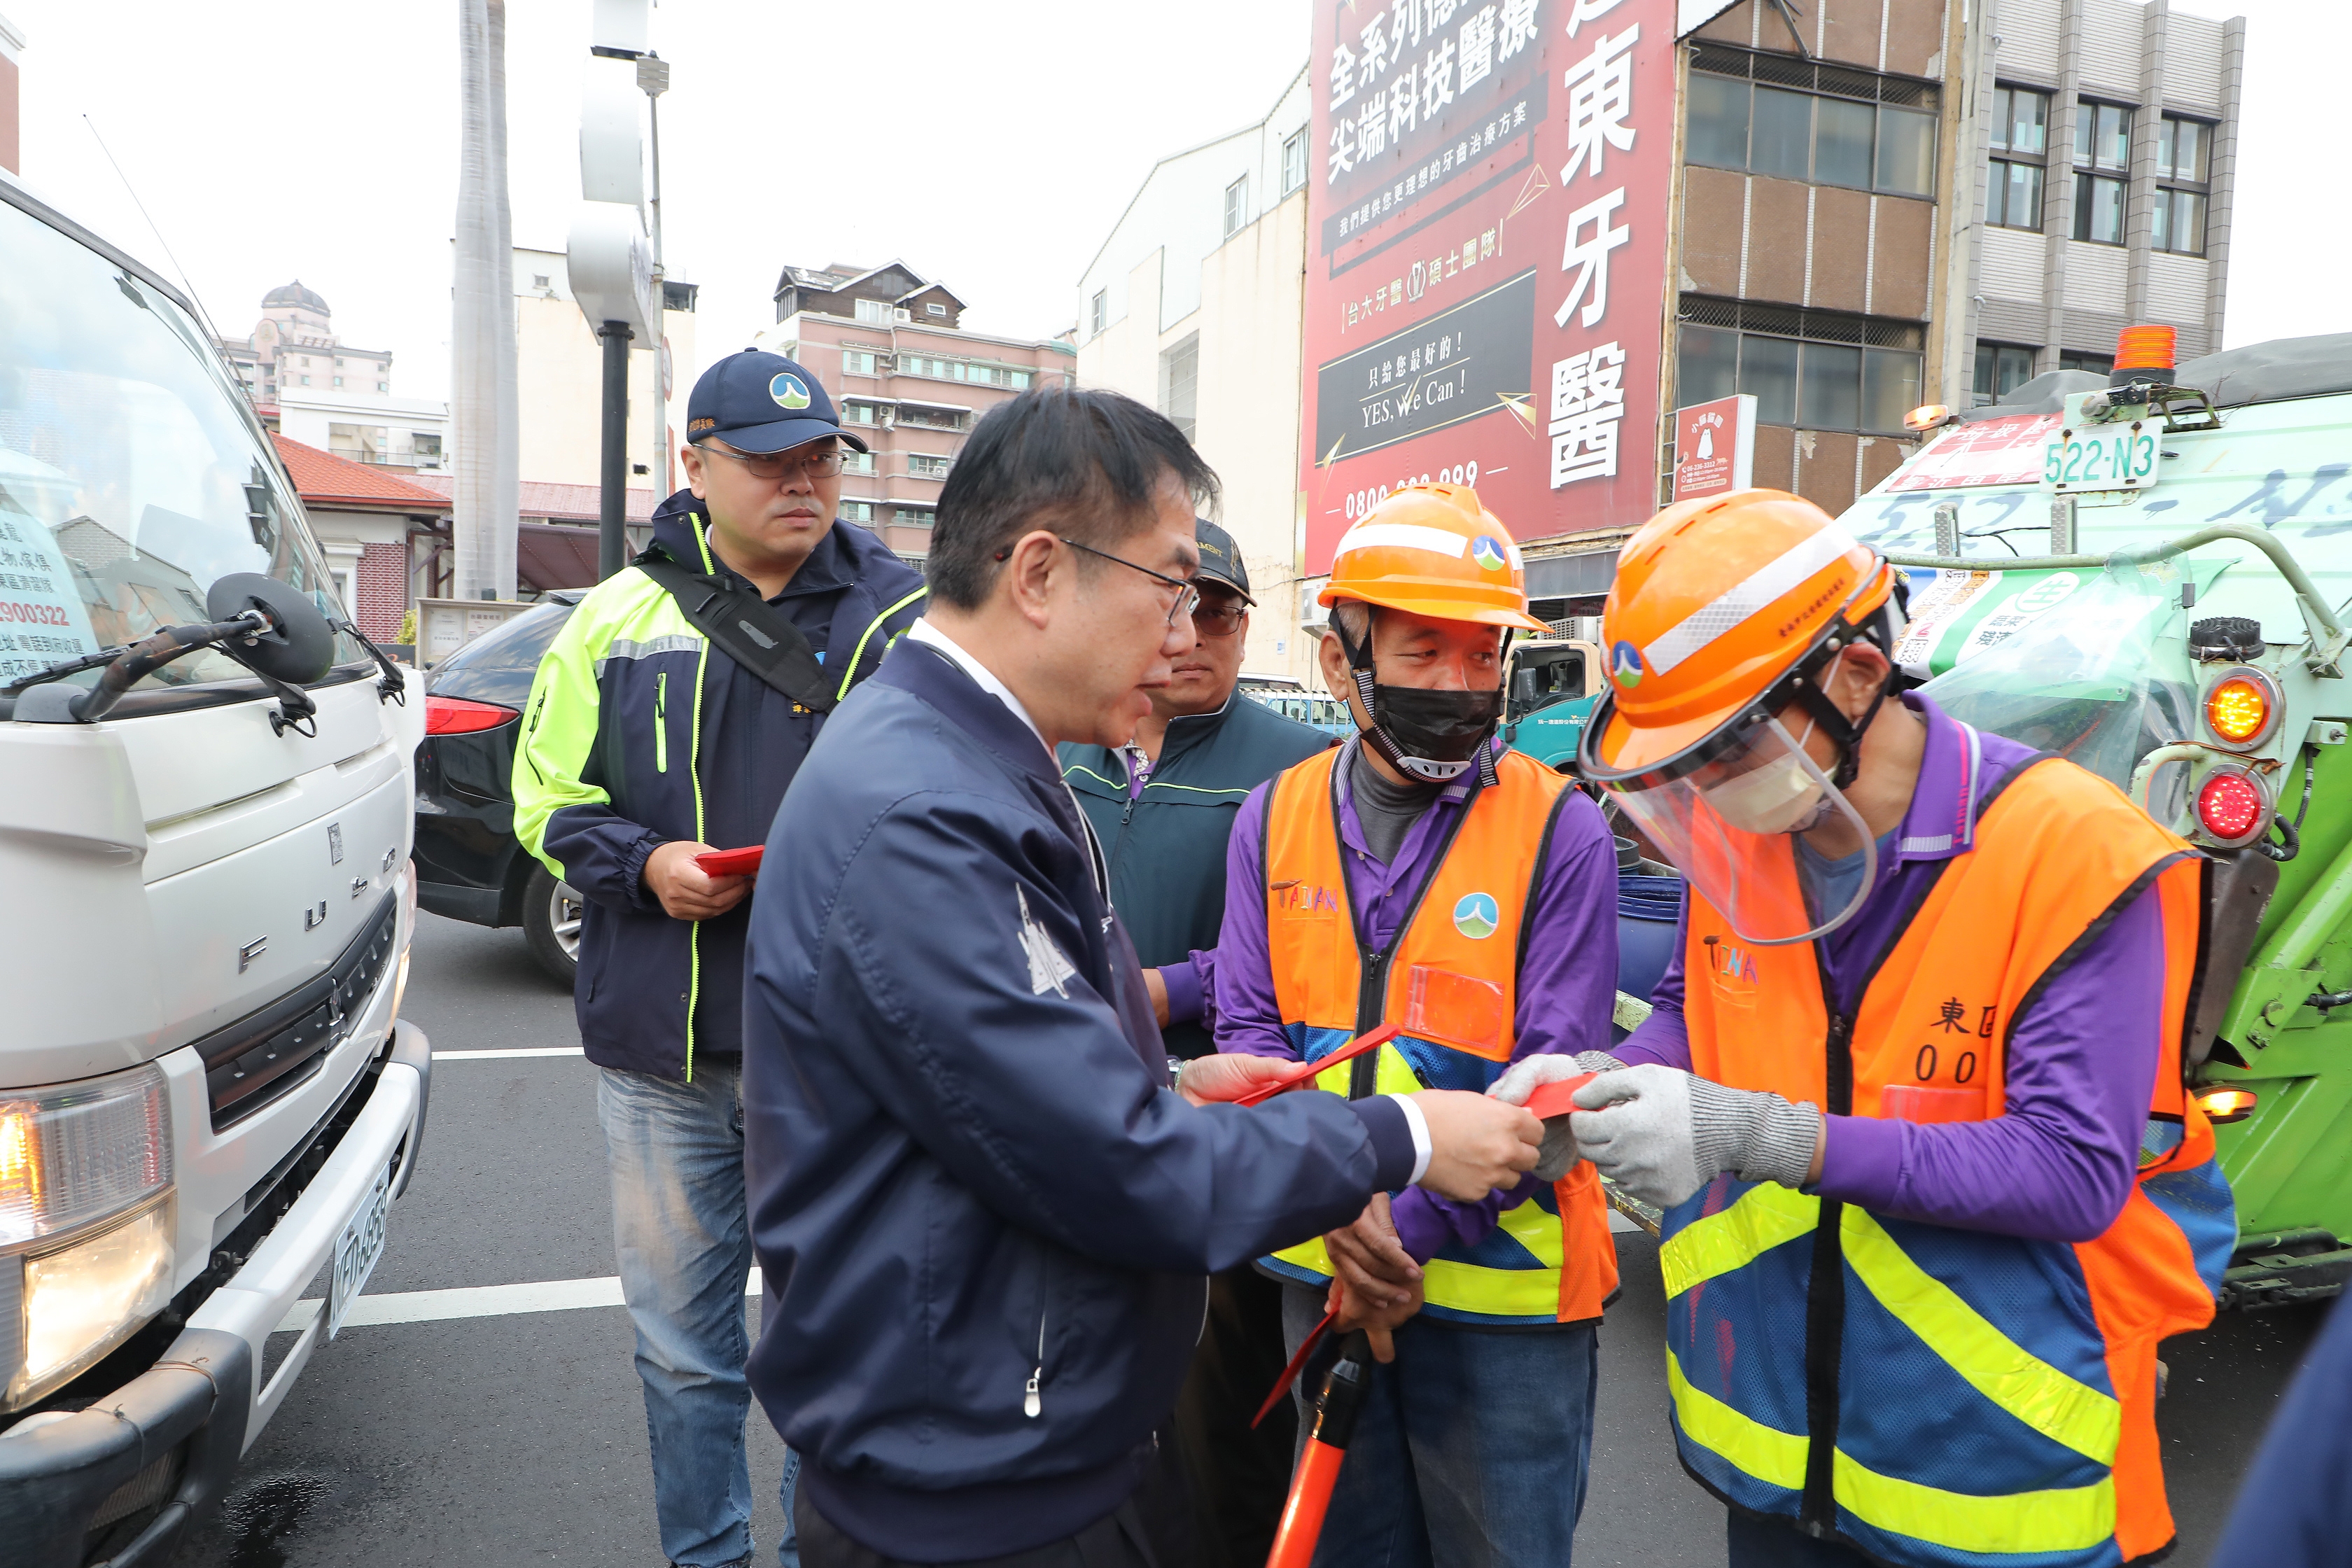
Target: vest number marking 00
point(1924, 1065)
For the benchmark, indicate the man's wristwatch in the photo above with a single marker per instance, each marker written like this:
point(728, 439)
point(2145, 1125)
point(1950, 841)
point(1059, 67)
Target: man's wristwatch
point(1176, 1073)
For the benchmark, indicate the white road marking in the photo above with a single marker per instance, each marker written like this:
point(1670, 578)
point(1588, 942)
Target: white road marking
point(503, 1056)
point(1620, 1224)
point(474, 1301)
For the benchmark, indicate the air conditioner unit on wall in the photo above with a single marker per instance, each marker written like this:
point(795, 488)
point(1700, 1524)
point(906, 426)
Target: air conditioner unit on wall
point(900, 313)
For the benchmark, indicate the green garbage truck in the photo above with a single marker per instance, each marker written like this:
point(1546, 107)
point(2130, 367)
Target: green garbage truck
point(2147, 573)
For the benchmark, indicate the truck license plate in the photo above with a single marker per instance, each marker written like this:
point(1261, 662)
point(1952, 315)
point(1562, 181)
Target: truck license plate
point(356, 1250)
point(2115, 457)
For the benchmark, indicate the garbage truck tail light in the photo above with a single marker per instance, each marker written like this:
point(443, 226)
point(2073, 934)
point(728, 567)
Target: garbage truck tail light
point(85, 1222)
point(2231, 806)
point(2226, 1105)
point(2240, 708)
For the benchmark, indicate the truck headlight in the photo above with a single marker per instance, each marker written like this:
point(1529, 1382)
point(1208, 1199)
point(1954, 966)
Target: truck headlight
point(85, 1223)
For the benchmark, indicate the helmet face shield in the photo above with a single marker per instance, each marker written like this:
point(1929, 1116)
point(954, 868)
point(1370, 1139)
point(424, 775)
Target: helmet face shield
point(1741, 821)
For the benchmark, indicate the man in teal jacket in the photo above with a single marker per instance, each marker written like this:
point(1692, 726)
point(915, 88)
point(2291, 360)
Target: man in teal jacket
point(1164, 807)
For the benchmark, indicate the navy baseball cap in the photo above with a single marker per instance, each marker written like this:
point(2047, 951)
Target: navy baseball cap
point(759, 401)
point(1220, 560)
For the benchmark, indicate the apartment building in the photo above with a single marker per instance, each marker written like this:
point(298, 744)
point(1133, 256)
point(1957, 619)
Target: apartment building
point(560, 378)
point(2102, 150)
point(307, 383)
point(1193, 305)
point(890, 346)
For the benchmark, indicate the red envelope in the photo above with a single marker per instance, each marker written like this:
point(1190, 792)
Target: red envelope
point(1557, 1098)
point(1305, 1072)
point(731, 862)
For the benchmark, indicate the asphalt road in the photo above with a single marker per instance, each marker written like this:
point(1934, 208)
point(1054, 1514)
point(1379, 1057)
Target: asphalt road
point(515, 1438)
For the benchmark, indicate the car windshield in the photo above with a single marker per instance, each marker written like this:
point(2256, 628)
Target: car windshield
point(497, 666)
point(131, 475)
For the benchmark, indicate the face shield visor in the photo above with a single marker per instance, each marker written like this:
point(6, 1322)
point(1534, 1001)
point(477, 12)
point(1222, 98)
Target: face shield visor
point(1761, 830)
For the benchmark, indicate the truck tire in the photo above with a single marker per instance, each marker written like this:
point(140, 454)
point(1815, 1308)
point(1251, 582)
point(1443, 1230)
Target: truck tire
point(551, 924)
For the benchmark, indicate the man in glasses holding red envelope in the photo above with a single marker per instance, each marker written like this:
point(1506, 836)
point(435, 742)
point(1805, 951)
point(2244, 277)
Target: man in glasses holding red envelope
point(1425, 877)
point(1912, 1099)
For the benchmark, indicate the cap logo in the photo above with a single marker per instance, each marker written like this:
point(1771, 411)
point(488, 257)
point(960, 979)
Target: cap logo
point(1477, 917)
point(1487, 554)
point(697, 426)
point(789, 391)
point(1625, 665)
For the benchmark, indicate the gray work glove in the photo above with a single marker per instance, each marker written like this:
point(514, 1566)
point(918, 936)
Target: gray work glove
point(1661, 1133)
point(1528, 1074)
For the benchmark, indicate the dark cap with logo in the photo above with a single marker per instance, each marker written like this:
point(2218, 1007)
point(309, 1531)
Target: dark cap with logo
point(1220, 559)
point(759, 401)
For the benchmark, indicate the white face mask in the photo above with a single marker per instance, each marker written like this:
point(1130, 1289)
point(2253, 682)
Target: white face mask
point(1782, 796)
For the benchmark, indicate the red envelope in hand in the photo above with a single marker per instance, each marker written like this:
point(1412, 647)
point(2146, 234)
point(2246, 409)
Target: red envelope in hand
point(1305, 1072)
point(1557, 1098)
point(731, 862)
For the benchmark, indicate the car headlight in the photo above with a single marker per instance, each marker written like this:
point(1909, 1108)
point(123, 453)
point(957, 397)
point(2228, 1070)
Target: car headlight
point(85, 1223)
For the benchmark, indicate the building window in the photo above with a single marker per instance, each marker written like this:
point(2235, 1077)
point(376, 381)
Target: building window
point(856, 462)
point(2184, 149)
point(305, 380)
point(2021, 146)
point(425, 448)
point(1237, 205)
point(856, 362)
point(2097, 365)
point(338, 364)
point(540, 281)
point(339, 381)
point(941, 369)
point(873, 310)
point(2102, 168)
point(926, 416)
point(1099, 312)
point(1179, 384)
point(853, 413)
point(1816, 123)
point(1819, 369)
point(934, 307)
point(383, 386)
point(857, 511)
point(912, 516)
point(2001, 369)
point(1294, 161)
point(923, 466)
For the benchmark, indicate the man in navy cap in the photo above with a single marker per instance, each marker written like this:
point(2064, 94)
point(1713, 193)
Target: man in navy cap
point(667, 720)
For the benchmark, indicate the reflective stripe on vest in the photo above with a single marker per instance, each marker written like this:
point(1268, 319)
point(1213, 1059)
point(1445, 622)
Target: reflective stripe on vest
point(1550, 1257)
point(1992, 1395)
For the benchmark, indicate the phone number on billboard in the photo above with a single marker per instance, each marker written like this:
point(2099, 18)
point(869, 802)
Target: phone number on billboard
point(1363, 500)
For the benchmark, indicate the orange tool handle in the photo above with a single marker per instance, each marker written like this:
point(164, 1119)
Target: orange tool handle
point(1302, 1515)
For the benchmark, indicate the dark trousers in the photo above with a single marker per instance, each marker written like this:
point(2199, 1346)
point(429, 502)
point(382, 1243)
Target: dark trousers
point(1771, 1543)
point(1117, 1540)
point(1239, 1477)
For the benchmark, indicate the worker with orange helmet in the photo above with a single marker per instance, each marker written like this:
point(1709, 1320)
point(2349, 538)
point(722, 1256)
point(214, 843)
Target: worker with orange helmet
point(1424, 859)
point(1912, 1099)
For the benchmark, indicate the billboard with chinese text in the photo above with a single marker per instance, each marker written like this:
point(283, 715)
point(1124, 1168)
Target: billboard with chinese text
point(1486, 267)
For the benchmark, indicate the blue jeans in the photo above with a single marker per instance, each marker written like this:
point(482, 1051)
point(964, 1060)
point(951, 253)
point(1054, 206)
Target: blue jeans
point(684, 1244)
point(1472, 1449)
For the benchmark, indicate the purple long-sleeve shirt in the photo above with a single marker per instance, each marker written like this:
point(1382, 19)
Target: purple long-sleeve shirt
point(1566, 984)
point(2058, 1163)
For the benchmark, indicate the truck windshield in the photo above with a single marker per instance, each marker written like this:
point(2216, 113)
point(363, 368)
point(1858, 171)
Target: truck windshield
point(1542, 677)
point(132, 477)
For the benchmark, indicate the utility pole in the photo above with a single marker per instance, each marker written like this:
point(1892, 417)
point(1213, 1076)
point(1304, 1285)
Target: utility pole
point(610, 263)
point(653, 80)
point(482, 339)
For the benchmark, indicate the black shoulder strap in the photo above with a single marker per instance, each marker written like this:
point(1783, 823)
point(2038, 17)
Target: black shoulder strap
point(748, 629)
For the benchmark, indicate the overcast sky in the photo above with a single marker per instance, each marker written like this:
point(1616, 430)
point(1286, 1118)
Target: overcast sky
point(991, 145)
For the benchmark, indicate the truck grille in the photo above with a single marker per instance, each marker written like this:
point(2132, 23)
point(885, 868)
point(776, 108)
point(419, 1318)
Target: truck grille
point(261, 1055)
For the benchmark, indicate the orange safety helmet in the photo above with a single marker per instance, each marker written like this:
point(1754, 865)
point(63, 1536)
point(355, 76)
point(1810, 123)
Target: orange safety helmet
point(1722, 604)
point(1432, 549)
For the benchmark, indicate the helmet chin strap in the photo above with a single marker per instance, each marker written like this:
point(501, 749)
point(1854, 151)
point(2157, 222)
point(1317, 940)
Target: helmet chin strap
point(1845, 733)
point(1425, 769)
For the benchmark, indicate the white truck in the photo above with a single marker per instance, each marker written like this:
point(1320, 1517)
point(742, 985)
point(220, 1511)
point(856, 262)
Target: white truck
point(206, 1099)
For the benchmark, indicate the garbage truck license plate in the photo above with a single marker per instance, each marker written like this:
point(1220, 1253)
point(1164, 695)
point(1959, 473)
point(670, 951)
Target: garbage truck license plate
point(356, 1250)
point(2111, 458)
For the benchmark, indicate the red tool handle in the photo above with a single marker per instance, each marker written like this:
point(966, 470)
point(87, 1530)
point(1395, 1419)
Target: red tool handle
point(1305, 1072)
point(1302, 1514)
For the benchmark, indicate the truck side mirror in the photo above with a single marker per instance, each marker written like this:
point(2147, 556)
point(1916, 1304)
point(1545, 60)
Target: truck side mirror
point(298, 649)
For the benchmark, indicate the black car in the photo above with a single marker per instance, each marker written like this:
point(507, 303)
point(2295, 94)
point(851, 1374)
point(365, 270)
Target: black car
point(469, 865)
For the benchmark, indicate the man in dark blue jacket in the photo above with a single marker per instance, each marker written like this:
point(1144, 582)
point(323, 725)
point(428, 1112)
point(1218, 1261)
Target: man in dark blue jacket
point(985, 1219)
point(645, 745)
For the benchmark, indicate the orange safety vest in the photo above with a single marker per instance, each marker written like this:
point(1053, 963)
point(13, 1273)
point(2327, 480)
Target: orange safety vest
point(1550, 1258)
point(1936, 1397)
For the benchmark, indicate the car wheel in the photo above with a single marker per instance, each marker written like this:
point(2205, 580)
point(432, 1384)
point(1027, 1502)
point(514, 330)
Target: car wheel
point(551, 924)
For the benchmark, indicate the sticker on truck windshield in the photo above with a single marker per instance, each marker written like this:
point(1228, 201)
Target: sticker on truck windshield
point(42, 618)
point(1959, 614)
point(2006, 451)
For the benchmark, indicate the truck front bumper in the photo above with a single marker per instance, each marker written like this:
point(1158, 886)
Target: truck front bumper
point(173, 1434)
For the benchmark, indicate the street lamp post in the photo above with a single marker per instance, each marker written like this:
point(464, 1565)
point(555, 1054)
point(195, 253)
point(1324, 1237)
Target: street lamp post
point(612, 501)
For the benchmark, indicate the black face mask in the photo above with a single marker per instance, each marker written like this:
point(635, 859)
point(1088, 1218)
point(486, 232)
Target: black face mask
point(1442, 726)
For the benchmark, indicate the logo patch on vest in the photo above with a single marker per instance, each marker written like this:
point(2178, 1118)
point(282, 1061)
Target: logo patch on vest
point(1731, 969)
point(1298, 898)
point(1477, 917)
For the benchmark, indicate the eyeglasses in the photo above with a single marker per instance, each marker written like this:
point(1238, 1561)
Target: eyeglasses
point(1188, 597)
point(775, 465)
point(1218, 620)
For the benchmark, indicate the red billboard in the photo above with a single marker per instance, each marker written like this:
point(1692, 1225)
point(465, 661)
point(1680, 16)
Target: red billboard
point(1486, 258)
